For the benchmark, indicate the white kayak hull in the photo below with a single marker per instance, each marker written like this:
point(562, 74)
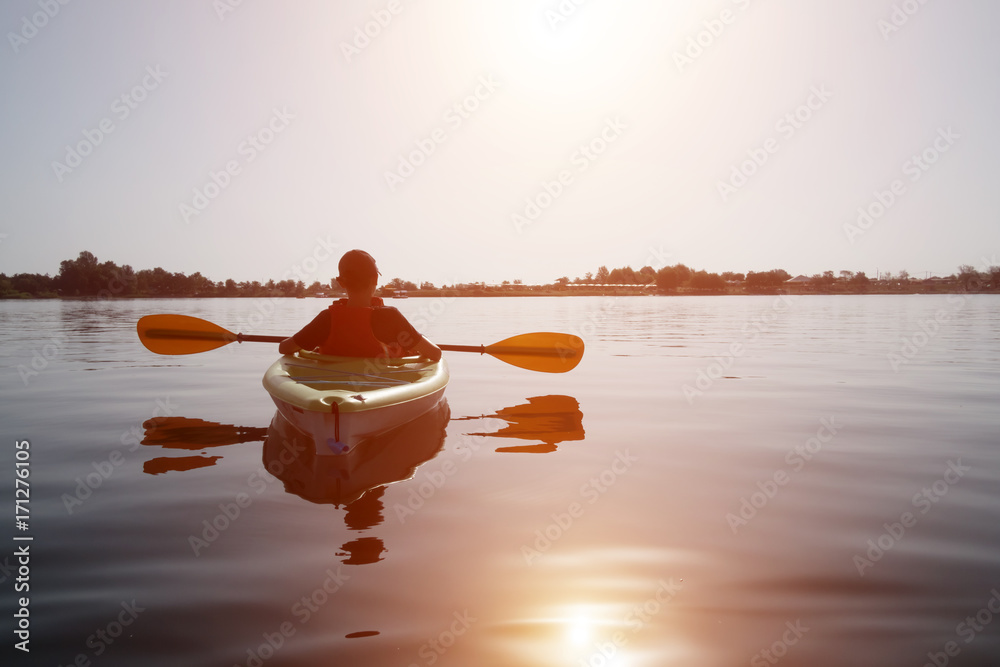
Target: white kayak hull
point(340, 402)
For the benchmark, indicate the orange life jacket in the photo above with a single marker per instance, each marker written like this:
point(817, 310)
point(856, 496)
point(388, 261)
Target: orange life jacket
point(351, 332)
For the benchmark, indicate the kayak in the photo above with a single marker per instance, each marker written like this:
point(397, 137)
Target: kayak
point(342, 401)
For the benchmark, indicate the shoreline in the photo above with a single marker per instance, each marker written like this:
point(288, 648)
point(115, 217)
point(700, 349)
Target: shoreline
point(489, 293)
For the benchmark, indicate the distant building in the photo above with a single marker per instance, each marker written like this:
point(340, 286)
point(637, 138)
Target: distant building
point(799, 284)
point(616, 285)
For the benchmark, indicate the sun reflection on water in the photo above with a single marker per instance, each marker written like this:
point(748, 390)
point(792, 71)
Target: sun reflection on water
point(597, 608)
point(590, 632)
point(577, 635)
point(578, 629)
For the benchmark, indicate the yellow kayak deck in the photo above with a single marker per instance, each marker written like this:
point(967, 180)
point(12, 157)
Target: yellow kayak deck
point(315, 382)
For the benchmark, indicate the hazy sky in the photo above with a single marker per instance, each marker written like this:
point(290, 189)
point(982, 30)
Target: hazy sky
point(460, 141)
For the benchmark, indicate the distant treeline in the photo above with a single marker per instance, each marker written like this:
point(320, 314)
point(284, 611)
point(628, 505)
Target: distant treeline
point(85, 276)
point(672, 279)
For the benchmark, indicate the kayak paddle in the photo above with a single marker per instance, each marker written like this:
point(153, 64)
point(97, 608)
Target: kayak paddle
point(182, 334)
point(545, 352)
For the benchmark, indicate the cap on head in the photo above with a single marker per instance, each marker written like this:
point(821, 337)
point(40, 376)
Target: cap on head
point(357, 266)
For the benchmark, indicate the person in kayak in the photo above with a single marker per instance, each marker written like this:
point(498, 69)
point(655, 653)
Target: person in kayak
point(360, 325)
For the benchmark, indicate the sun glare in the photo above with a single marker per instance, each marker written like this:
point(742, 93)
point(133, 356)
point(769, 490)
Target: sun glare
point(589, 634)
point(579, 629)
point(566, 45)
point(577, 55)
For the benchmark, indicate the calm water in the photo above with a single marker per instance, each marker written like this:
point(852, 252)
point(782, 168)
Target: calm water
point(722, 481)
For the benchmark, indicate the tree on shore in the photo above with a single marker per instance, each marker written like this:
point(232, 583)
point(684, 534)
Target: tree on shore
point(85, 276)
point(766, 280)
point(825, 280)
point(27, 285)
point(622, 276)
point(400, 284)
point(668, 279)
point(702, 280)
point(969, 279)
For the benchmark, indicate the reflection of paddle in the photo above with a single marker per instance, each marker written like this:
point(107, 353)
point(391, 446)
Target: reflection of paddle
point(163, 464)
point(185, 433)
point(551, 419)
point(192, 435)
point(182, 334)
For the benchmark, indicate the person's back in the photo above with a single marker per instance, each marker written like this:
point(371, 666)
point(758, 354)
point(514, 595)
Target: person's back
point(360, 325)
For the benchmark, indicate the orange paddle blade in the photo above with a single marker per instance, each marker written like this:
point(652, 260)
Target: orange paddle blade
point(181, 334)
point(545, 352)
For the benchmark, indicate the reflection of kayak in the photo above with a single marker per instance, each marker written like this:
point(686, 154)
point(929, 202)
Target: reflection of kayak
point(357, 479)
point(387, 458)
point(340, 401)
